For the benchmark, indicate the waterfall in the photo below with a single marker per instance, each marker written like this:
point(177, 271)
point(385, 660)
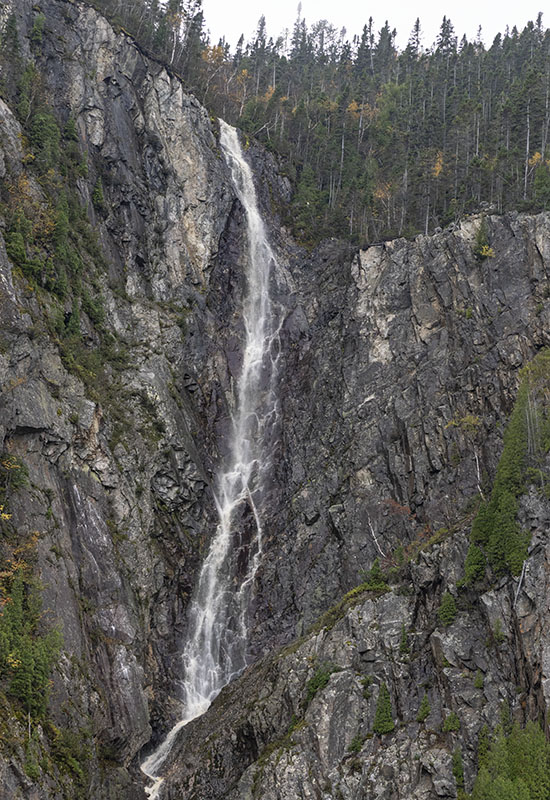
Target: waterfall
point(216, 649)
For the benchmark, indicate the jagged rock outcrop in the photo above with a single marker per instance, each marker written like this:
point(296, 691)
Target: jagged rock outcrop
point(399, 367)
point(119, 468)
point(428, 341)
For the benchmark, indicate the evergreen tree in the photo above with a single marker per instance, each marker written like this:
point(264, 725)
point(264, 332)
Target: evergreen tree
point(447, 610)
point(424, 710)
point(383, 720)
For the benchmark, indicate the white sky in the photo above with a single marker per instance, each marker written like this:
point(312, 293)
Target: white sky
point(230, 19)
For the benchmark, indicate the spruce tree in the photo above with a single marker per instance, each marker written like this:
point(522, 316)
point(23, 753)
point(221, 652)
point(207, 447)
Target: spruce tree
point(447, 610)
point(383, 720)
point(424, 710)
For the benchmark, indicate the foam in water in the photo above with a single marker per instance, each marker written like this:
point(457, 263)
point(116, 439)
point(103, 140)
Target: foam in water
point(215, 651)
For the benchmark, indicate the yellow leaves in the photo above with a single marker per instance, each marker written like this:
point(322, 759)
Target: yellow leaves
point(13, 661)
point(45, 224)
point(438, 166)
point(486, 251)
point(470, 423)
point(27, 546)
point(269, 94)
point(383, 191)
point(214, 56)
point(330, 106)
point(10, 462)
point(537, 160)
point(20, 191)
point(3, 514)
point(175, 20)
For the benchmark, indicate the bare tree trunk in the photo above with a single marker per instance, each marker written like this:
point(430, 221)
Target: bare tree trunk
point(527, 150)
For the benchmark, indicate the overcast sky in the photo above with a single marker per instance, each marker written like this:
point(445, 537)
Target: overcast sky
point(230, 19)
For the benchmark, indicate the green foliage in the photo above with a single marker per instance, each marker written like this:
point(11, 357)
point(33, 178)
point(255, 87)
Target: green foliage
point(506, 717)
point(514, 766)
point(13, 475)
point(70, 131)
point(98, 198)
point(447, 610)
point(26, 86)
point(458, 771)
point(474, 566)
point(45, 136)
point(483, 745)
point(37, 30)
point(481, 247)
point(383, 719)
point(366, 683)
point(72, 326)
point(26, 656)
point(70, 751)
point(93, 307)
point(378, 142)
point(496, 533)
point(356, 744)
point(478, 680)
point(498, 633)
point(306, 207)
point(318, 681)
point(15, 248)
point(451, 723)
point(376, 580)
point(424, 710)
point(542, 186)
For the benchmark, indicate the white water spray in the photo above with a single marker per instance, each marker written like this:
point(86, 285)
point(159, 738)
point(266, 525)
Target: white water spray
point(216, 650)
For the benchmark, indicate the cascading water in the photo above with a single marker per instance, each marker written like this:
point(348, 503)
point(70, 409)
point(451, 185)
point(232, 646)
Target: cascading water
point(216, 650)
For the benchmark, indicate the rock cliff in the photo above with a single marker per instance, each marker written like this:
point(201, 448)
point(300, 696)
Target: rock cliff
point(399, 371)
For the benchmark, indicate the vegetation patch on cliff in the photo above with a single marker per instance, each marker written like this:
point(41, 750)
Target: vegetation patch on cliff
point(496, 538)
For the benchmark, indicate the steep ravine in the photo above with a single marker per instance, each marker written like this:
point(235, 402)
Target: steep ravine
point(384, 354)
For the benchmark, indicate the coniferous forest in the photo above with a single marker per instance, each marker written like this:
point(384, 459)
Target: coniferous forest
point(377, 142)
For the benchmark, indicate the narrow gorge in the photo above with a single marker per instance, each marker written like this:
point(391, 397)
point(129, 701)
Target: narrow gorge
point(246, 487)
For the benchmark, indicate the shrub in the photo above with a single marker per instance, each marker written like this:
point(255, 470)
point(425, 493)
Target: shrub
point(478, 680)
point(424, 710)
point(98, 198)
point(37, 30)
point(458, 771)
point(447, 610)
point(319, 680)
point(376, 580)
point(15, 248)
point(481, 247)
point(383, 720)
point(498, 633)
point(451, 723)
point(93, 307)
point(356, 744)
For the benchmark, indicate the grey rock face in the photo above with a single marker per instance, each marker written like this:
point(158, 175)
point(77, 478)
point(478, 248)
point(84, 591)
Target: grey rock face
point(399, 368)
